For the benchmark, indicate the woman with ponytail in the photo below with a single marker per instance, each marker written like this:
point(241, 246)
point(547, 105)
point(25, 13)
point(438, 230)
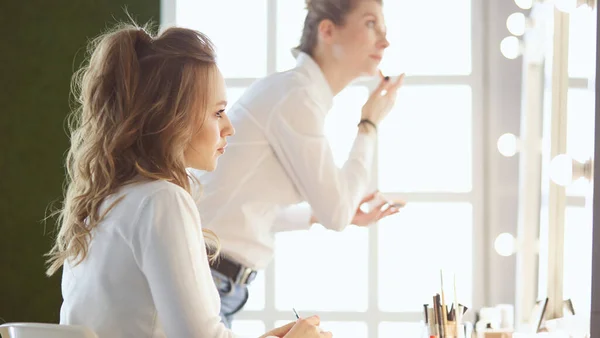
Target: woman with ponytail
point(130, 242)
point(281, 156)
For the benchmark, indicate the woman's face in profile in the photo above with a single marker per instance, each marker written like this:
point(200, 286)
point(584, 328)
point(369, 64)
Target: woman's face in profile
point(361, 40)
point(210, 140)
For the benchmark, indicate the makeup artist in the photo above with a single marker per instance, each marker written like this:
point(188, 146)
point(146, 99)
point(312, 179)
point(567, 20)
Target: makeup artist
point(280, 156)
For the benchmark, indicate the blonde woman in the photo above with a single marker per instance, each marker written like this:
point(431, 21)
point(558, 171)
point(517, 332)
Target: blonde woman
point(280, 156)
point(130, 241)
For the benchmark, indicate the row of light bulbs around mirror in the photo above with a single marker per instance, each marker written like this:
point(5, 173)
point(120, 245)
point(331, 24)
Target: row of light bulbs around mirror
point(563, 171)
point(517, 23)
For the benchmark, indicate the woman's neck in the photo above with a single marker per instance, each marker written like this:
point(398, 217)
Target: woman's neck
point(335, 73)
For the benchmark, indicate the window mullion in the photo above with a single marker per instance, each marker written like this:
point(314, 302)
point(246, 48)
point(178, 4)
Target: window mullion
point(270, 311)
point(271, 36)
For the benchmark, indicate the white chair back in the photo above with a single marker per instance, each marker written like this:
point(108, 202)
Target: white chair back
point(43, 330)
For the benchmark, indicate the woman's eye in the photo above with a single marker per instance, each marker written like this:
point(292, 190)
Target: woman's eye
point(220, 113)
point(371, 24)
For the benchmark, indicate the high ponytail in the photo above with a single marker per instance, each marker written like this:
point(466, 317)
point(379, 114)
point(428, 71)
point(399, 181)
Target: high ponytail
point(137, 103)
point(112, 76)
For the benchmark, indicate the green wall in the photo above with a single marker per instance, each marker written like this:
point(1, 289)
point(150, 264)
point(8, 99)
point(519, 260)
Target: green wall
point(42, 41)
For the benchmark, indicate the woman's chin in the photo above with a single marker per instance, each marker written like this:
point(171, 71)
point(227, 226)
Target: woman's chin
point(208, 167)
point(212, 166)
point(369, 73)
point(372, 70)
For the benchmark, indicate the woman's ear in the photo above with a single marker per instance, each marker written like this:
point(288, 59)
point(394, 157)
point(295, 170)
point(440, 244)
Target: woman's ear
point(326, 31)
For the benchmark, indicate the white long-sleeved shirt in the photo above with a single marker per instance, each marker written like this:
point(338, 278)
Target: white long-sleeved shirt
point(278, 158)
point(146, 273)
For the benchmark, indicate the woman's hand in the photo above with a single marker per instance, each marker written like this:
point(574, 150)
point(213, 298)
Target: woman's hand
point(302, 328)
point(381, 210)
point(280, 331)
point(307, 328)
point(382, 99)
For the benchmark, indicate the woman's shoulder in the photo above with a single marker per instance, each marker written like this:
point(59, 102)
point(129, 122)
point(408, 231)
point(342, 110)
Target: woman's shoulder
point(149, 187)
point(151, 200)
point(283, 81)
point(143, 192)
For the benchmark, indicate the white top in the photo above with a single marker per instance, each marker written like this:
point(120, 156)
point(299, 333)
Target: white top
point(278, 158)
point(146, 273)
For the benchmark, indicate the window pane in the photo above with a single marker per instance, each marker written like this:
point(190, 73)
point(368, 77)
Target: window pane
point(248, 328)
point(416, 48)
point(414, 245)
point(339, 329)
point(401, 329)
point(577, 270)
point(580, 133)
point(215, 18)
point(319, 269)
point(256, 290)
point(582, 43)
point(425, 143)
point(340, 124)
point(233, 94)
point(290, 20)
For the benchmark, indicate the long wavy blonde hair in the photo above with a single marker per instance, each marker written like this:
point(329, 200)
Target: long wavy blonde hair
point(140, 99)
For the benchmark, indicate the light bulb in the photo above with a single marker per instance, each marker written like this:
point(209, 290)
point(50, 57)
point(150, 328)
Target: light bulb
point(586, 169)
point(524, 4)
point(516, 23)
point(505, 244)
point(508, 144)
point(566, 6)
point(561, 170)
point(510, 47)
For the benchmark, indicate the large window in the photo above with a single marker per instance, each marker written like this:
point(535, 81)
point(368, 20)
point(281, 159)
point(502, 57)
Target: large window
point(373, 282)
